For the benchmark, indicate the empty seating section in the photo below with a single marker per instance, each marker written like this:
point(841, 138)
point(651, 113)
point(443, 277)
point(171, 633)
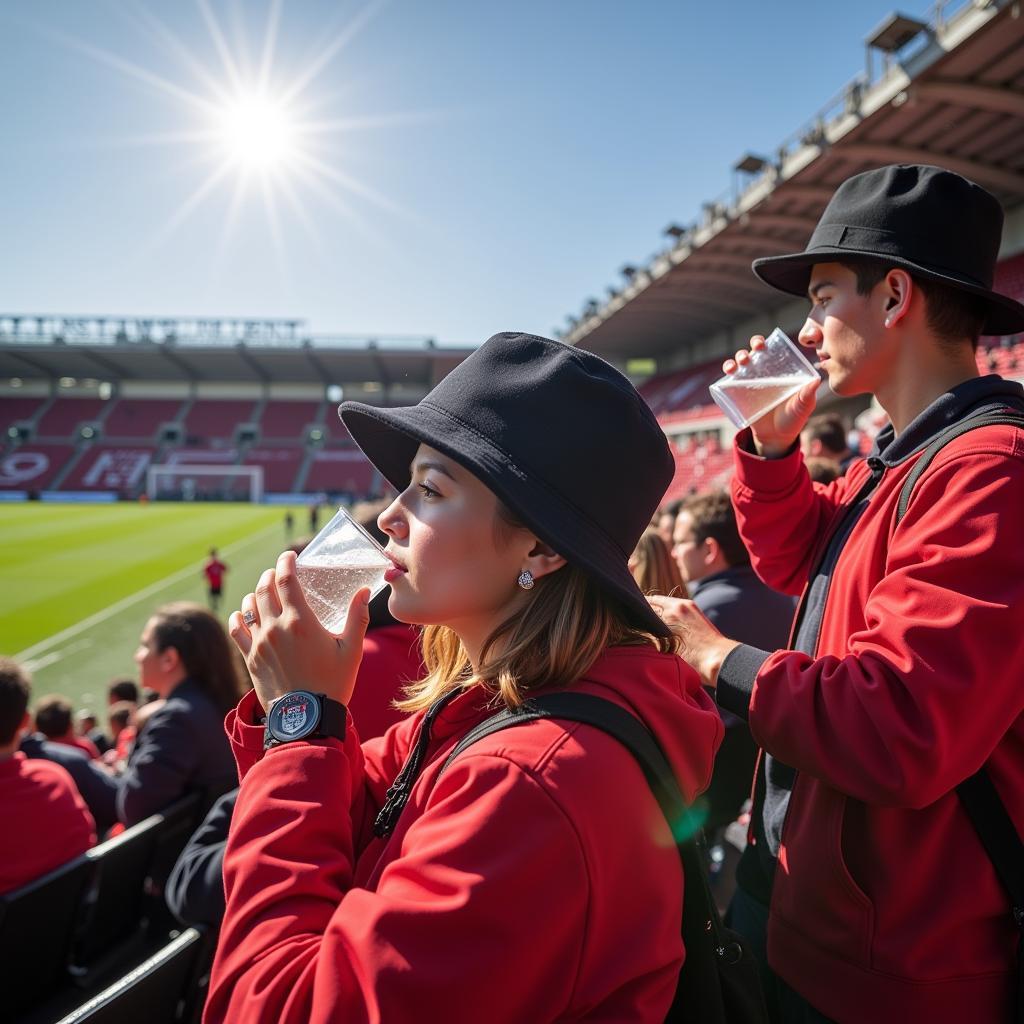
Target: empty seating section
point(110, 467)
point(286, 420)
point(683, 394)
point(217, 417)
point(344, 470)
point(65, 414)
point(139, 418)
point(33, 466)
point(12, 410)
point(280, 466)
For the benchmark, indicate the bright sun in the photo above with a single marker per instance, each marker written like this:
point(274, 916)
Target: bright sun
point(256, 132)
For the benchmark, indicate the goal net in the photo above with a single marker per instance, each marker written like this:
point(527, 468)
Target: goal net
point(184, 482)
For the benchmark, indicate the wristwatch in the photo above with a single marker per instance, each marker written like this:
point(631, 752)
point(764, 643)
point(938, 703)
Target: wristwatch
point(302, 715)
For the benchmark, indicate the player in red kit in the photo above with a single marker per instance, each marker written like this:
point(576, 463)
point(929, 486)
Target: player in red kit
point(214, 571)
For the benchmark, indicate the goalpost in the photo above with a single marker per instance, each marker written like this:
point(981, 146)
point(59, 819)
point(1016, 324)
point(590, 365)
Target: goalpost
point(186, 481)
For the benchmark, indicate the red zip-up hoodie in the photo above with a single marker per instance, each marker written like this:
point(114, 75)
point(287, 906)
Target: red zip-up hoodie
point(885, 907)
point(536, 880)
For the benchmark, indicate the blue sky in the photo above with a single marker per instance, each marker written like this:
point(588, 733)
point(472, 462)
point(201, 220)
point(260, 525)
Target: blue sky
point(481, 165)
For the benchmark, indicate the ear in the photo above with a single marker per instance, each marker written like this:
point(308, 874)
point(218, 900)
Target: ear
point(711, 550)
point(897, 290)
point(543, 560)
point(170, 659)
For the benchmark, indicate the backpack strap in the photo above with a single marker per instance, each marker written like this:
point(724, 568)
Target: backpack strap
point(989, 418)
point(711, 947)
point(978, 794)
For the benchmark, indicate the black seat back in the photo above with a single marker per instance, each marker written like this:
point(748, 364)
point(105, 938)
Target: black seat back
point(159, 991)
point(37, 925)
point(115, 902)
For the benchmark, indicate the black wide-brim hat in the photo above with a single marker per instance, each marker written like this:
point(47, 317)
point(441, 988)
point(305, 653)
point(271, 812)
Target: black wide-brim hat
point(558, 435)
point(927, 220)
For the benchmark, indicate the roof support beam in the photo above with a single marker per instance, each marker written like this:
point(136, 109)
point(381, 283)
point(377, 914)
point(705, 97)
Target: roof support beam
point(993, 99)
point(887, 153)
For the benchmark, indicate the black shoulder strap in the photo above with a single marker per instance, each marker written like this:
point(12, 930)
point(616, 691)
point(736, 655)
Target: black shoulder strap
point(990, 418)
point(978, 794)
point(682, 819)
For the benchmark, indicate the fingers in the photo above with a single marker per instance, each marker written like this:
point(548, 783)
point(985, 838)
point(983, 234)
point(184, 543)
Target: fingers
point(358, 619)
point(742, 358)
point(289, 589)
point(268, 603)
point(239, 632)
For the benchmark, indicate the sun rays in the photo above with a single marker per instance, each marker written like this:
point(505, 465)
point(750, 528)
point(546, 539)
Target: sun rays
point(251, 134)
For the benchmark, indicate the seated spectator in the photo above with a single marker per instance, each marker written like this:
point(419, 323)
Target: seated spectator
point(822, 470)
point(121, 690)
point(653, 568)
point(54, 721)
point(122, 732)
point(88, 728)
point(184, 657)
point(825, 436)
point(48, 822)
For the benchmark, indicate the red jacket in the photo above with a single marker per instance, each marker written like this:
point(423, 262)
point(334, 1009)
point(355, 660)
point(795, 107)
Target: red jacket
point(536, 881)
point(48, 822)
point(885, 907)
point(391, 658)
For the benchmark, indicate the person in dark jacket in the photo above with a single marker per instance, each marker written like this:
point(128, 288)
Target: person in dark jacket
point(865, 873)
point(716, 568)
point(183, 656)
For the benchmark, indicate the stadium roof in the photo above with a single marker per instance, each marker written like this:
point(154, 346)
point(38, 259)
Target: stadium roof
point(256, 352)
point(948, 93)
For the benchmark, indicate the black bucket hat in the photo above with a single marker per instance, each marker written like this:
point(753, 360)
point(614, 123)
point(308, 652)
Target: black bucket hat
point(924, 219)
point(559, 435)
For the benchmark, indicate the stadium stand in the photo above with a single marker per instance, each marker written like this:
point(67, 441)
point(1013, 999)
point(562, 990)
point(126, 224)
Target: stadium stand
point(344, 470)
point(15, 410)
point(108, 467)
point(139, 419)
point(210, 418)
point(33, 466)
point(287, 420)
point(65, 414)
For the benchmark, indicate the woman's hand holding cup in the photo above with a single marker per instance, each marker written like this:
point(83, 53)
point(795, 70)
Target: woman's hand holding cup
point(284, 645)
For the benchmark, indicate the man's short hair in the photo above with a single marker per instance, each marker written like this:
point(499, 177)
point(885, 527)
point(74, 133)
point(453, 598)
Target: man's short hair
point(53, 716)
point(711, 515)
point(829, 430)
point(952, 313)
point(121, 712)
point(122, 689)
point(15, 688)
point(673, 508)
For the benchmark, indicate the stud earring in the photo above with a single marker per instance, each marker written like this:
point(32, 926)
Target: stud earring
point(888, 322)
point(526, 580)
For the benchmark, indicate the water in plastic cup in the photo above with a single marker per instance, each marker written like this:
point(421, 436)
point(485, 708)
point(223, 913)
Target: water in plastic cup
point(772, 375)
point(336, 563)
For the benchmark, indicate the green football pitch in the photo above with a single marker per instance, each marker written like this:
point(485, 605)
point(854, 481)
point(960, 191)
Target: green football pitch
point(79, 581)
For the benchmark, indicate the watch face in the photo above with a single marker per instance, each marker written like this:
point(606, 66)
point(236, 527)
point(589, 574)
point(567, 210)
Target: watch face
point(295, 716)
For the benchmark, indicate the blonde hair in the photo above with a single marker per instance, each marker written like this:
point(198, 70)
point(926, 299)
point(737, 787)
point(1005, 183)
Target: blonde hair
point(656, 571)
point(549, 643)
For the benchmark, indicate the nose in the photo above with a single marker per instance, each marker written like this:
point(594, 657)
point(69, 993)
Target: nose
point(810, 333)
point(392, 519)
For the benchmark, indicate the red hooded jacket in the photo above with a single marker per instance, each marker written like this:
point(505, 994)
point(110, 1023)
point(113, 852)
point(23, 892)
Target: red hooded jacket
point(885, 907)
point(537, 880)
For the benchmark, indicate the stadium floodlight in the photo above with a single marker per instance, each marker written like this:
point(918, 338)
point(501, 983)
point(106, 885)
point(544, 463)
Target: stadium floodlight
point(751, 163)
point(894, 33)
point(183, 480)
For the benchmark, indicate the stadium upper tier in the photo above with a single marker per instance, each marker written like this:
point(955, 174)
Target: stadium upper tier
point(949, 92)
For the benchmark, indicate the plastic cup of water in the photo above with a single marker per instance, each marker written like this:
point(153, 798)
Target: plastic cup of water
point(336, 563)
point(773, 374)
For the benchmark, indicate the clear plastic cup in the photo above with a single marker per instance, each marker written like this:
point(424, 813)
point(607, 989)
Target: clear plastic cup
point(772, 375)
point(336, 563)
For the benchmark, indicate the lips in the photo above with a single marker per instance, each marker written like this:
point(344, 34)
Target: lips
point(397, 569)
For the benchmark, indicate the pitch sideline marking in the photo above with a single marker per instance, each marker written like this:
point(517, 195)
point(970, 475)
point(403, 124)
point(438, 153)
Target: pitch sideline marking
point(127, 602)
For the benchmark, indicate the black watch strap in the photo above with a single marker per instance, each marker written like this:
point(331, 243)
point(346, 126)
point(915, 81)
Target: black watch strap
point(332, 721)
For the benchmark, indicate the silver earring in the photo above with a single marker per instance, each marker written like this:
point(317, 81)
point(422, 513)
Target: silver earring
point(526, 580)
